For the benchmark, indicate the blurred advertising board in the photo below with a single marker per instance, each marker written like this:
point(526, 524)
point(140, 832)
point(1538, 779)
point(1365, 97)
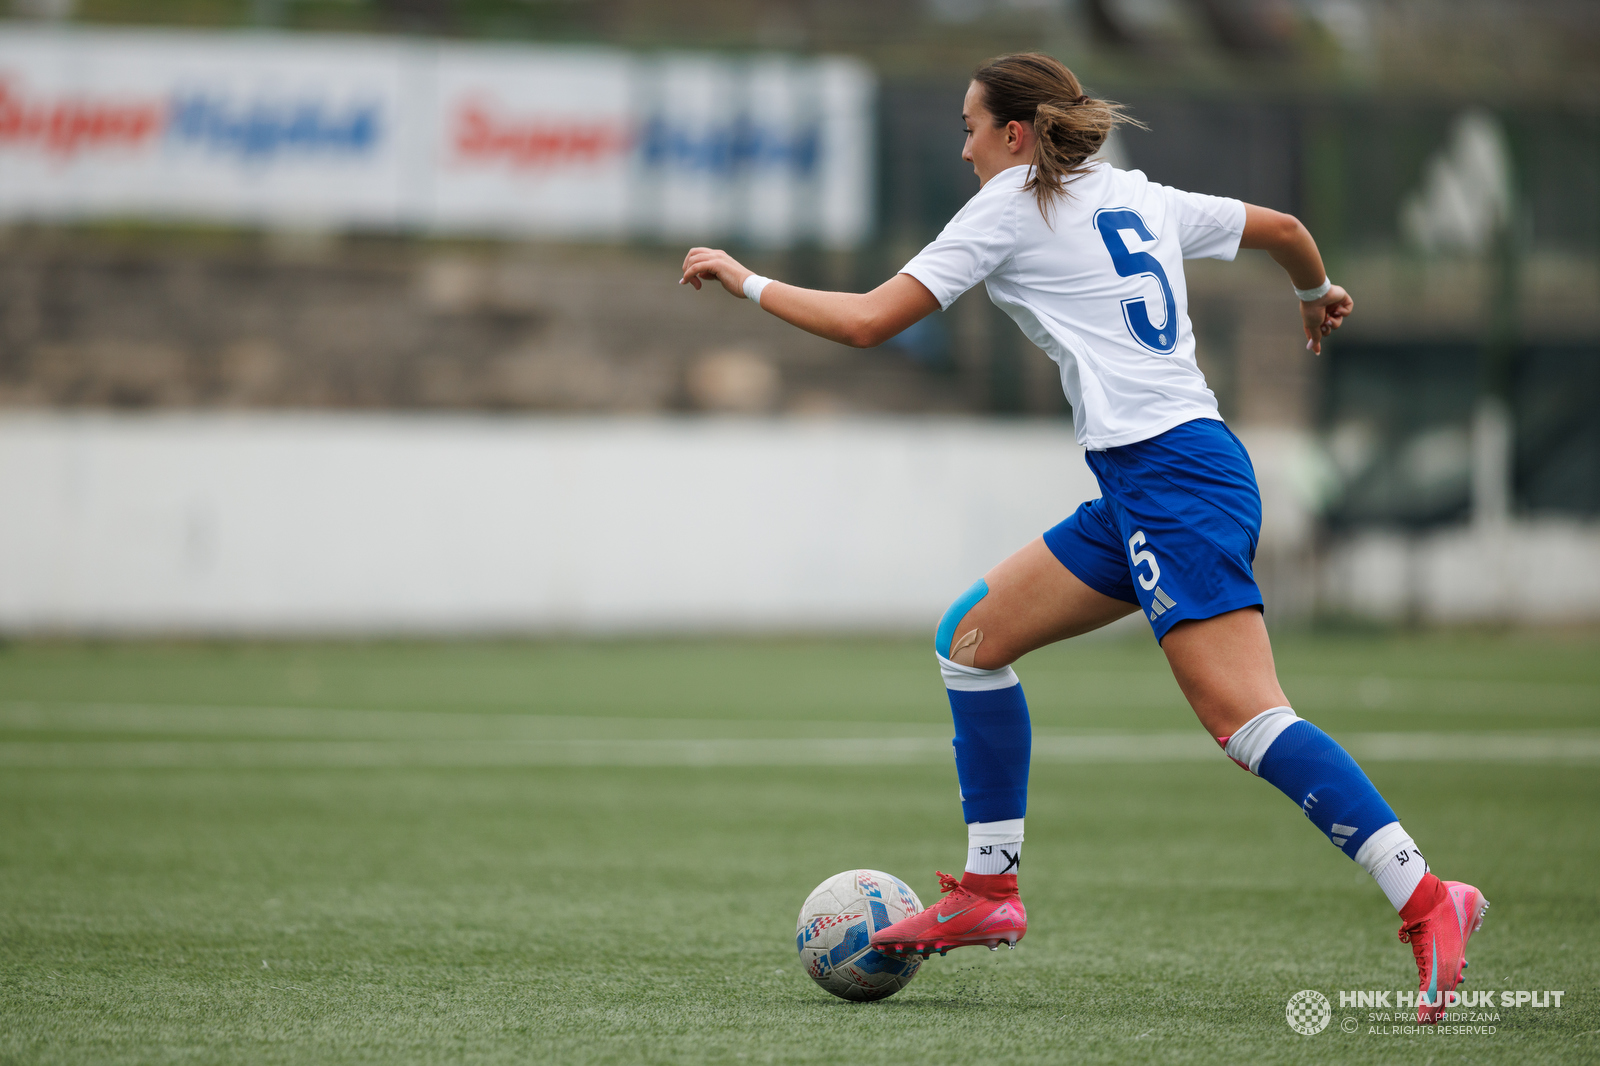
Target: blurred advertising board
point(307, 131)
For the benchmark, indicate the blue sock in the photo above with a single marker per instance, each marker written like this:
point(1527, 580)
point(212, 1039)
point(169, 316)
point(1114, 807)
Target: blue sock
point(993, 742)
point(994, 738)
point(1314, 771)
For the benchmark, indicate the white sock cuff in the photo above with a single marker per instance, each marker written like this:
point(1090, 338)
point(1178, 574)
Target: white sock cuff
point(984, 834)
point(1382, 846)
point(1399, 880)
point(1250, 741)
point(971, 679)
point(1392, 858)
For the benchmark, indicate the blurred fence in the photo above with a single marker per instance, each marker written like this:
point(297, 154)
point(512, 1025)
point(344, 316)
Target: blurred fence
point(1349, 165)
point(1399, 421)
point(446, 138)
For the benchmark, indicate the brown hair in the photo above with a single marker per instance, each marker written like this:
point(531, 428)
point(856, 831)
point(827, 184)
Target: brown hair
point(1068, 125)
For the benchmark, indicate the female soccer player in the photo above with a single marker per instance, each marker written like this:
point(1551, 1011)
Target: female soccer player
point(1088, 261)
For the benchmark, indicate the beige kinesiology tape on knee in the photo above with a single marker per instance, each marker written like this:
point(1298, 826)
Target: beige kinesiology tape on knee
point(965, 651)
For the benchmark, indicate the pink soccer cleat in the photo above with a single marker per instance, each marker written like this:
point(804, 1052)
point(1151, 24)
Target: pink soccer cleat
point(978, 909)
point(1439, 919)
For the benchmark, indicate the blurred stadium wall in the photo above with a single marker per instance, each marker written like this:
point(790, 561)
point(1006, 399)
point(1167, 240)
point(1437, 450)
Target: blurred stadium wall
point(349, 524)
point(360, 315)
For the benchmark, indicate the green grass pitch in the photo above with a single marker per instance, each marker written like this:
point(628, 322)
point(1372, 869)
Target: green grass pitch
point(594, 852)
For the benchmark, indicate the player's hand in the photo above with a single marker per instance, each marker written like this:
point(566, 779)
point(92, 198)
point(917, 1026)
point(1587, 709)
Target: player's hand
point(713, 263)
point(1322, 317)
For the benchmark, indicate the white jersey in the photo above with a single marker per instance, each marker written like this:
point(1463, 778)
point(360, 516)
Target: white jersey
point(1099, 287)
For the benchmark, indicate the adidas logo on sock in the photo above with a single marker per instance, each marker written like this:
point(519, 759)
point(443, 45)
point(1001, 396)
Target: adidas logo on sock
point(1341, 834)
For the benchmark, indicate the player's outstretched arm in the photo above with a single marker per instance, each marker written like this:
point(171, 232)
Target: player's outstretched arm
point(1289, 243)
point(861, 320)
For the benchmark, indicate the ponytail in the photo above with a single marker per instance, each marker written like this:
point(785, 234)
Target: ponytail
point(1068, 125)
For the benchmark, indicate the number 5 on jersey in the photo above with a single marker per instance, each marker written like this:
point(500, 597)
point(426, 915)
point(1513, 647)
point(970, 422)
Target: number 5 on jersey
point(1112, 224)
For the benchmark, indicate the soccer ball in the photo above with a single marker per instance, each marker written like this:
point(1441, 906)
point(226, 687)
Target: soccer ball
point(838, 919)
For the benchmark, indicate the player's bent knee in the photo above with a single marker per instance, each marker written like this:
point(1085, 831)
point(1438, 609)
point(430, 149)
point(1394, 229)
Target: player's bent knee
point(963, 649)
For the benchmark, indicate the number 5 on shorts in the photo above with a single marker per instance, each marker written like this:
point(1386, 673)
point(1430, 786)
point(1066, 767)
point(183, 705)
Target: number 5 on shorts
point(1143, 558)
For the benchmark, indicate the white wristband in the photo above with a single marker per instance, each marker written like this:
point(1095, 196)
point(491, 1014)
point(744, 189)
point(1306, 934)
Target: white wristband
point(753, 287)
point(1306, 295)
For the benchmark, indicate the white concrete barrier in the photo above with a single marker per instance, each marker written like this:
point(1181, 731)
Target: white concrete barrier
point(311, 523)
point(345, 523)
point(1533, 570)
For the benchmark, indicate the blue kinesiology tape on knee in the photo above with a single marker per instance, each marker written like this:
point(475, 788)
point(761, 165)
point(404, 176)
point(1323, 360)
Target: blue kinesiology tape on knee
point(952, 618)
point(1311, 769)
point(993, 742)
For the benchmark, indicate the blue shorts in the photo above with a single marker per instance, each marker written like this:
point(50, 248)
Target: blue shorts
point(1175, 528)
